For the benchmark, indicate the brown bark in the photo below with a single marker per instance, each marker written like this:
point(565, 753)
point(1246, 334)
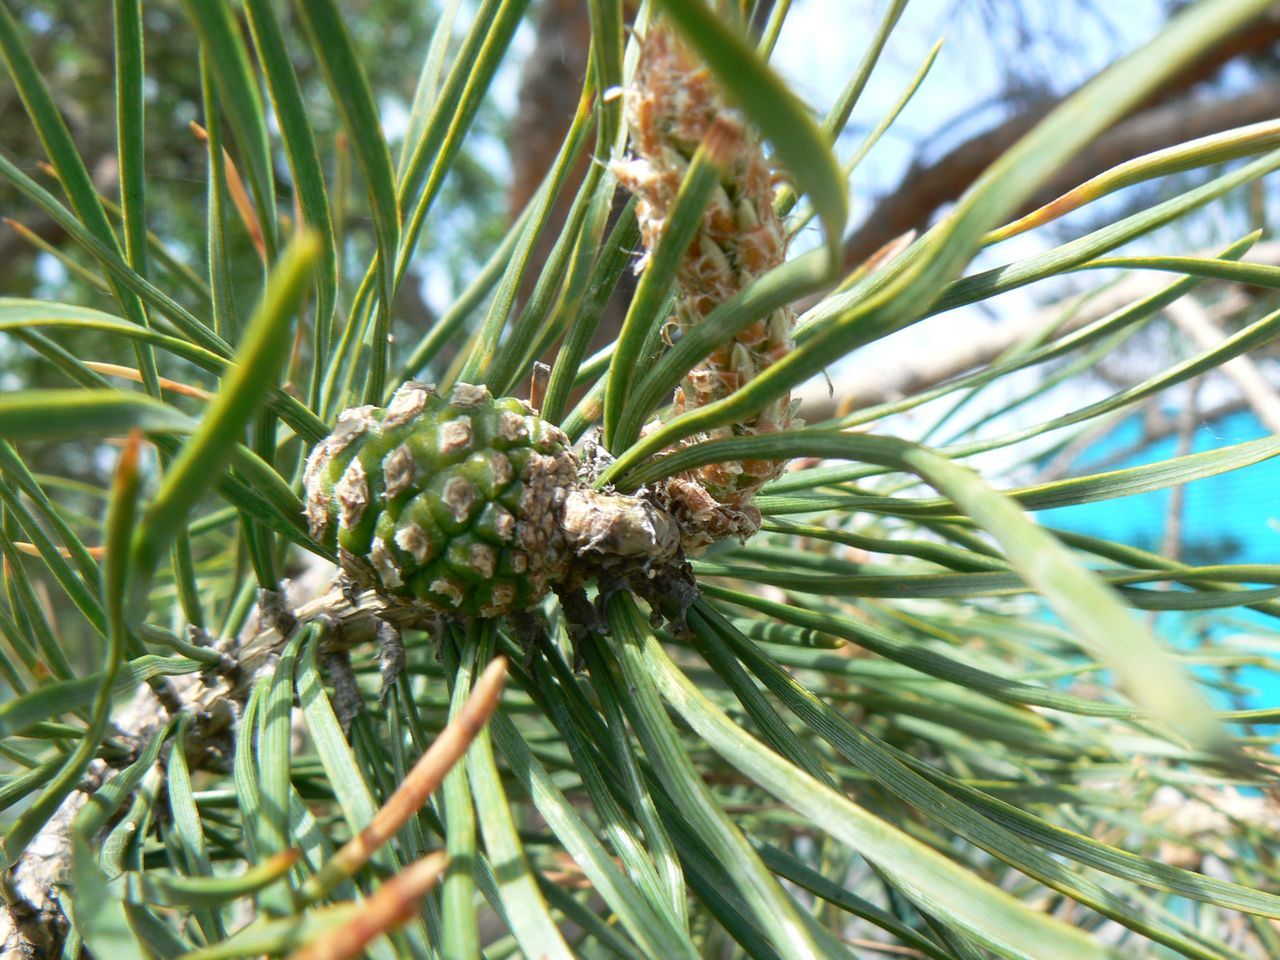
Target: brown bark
point(1173, 116)
point(550, 84)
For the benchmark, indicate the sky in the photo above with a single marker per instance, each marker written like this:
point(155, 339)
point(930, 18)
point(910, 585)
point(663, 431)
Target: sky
point(1239, 512)
point(821, 46)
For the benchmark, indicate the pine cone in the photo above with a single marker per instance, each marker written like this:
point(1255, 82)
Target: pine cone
point(453, 502)
point(470, 505)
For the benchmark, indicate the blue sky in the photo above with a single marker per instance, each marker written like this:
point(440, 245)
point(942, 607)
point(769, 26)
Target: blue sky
point(820, 47)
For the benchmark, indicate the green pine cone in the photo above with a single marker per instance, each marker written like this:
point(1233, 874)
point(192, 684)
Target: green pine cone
point(452, 502)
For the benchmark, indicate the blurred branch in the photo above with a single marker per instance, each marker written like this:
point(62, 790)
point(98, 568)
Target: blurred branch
point(923, 370)
point(1187, 422)
point(1203, 329)
point(1174, 117)
point(1157, 425)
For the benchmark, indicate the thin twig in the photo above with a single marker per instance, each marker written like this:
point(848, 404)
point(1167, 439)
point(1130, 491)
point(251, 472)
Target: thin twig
point(422, 781)
point(391, 905)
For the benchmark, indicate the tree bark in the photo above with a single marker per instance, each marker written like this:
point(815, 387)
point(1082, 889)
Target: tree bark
point(1173, 116)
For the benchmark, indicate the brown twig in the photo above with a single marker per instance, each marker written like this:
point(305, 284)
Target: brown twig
point(422, 781)
point(392, 904)
point(31, 550)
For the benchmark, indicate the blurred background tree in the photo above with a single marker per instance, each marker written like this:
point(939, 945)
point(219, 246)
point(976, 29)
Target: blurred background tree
point(74, 53)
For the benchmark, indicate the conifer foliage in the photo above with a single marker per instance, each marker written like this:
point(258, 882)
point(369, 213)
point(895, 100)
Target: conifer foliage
point(323, 637)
